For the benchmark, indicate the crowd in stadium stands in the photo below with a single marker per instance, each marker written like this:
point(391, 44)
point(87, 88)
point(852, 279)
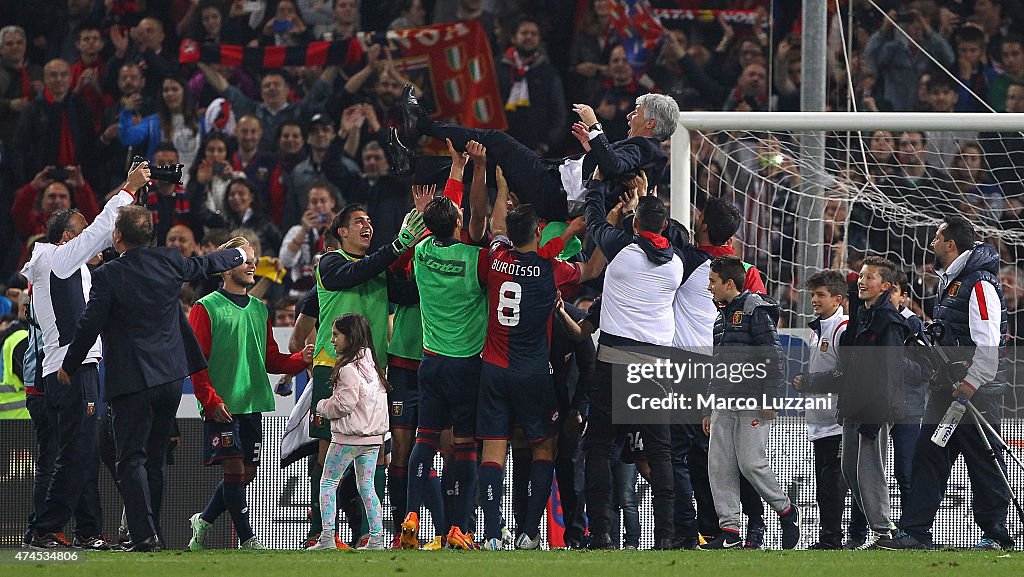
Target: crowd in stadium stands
point(279, 156)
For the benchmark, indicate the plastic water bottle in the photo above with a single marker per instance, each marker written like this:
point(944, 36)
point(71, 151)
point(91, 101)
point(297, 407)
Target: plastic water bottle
point(949, 422)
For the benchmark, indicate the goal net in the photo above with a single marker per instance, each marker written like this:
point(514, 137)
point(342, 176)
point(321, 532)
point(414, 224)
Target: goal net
point(882, 192)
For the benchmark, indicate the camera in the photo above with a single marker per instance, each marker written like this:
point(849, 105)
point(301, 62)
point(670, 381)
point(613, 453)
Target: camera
point(169, 173)
point(59, 173)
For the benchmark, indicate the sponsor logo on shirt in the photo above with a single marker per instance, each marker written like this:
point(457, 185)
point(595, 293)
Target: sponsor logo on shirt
point(445, 267)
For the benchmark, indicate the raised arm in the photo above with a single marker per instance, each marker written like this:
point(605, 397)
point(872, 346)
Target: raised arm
point(478, 203)
point(197, 268)
point(607, 237)
point(500, 204)
point(70, 256)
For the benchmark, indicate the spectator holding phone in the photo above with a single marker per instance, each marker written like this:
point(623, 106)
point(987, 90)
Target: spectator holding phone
point(305, 240)
point(209, 179)
point(53, 189)
point(286, 28)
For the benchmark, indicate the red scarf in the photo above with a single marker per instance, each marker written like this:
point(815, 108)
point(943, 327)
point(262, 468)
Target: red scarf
point(656, 239)
point(716, 251)
point(521, 66)
point(66, 150)
point(26, 82)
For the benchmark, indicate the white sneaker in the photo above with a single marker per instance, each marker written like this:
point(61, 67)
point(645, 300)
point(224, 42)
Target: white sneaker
point(524, 542)
point(326, 541)
point(253, 544)
point(374, 543)
point(872, 538)
point(492, 544)
point(506, 537)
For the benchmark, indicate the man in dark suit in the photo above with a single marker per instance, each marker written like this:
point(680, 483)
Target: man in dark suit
point(550, 184)
point(150, 349)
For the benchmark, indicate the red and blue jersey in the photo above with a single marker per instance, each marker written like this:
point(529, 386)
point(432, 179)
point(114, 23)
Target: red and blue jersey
point(521, 291)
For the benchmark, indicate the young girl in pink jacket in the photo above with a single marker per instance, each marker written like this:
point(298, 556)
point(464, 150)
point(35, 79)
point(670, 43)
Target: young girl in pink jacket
point(358, 410)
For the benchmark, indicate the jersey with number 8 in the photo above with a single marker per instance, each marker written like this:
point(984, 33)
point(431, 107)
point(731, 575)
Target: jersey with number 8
point(521, 295)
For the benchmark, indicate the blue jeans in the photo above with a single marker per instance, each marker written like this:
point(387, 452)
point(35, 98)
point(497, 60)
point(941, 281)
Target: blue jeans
point(626, 499)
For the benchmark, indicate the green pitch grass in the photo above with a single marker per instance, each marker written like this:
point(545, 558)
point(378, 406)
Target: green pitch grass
point(531, 564)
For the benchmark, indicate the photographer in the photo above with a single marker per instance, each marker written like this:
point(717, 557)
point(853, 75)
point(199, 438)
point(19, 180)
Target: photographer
point(972, 310)
point(167, 200)
point(61, 288)
point(53, 189)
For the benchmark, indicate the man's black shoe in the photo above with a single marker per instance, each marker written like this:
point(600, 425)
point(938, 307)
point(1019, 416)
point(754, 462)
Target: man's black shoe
point(825, 546)
point(411, 113)
point(150, 545)
point(898, 542)
point(94, 543)
point(663, 545)
point(399, 157)
point(600, 543)
point(45, 542)
point(687, 543)
point(729, 540)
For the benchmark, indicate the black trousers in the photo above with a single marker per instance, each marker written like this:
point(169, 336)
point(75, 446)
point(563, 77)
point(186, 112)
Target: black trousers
point(685, 513)
point(86, 515)
point(534, 180)
point(830, 489)
point(990, 497)
point(142, 425)
point(569, 473)
point(600, 441)
point(73, 490)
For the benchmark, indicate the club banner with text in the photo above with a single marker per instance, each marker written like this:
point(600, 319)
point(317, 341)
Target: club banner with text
point(452, 64)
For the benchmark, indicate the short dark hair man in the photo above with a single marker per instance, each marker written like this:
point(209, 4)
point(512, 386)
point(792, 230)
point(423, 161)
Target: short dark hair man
point(61, 287)
point(150, 350)
point(972, 310)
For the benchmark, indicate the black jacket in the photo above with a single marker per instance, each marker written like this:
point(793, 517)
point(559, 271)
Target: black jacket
point(134, 303)
point(38, 138)
point(745, 333)
point(870, 381)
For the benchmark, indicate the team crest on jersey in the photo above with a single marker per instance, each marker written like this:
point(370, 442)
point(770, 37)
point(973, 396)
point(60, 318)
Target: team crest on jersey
point(737, 317)
point(824, 347)
point(954, 289)
point(227, 439)
point(397, 408)
point(755, 423)
point(316, 420)
point(90, 409)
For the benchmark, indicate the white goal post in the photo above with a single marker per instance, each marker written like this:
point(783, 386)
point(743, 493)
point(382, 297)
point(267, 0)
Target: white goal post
point(812, 122)
point(824, 160)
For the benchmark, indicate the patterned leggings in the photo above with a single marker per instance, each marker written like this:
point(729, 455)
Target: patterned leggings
point(338, 459)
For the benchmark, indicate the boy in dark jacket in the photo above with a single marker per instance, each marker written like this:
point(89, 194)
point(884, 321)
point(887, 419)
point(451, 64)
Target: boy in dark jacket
point(870, 385)
point(744, 333)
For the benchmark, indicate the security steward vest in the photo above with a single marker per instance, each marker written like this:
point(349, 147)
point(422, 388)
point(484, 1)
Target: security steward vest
point(12, 389)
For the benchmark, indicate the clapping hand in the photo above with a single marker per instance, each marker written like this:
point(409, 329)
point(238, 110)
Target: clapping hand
point(307, 354)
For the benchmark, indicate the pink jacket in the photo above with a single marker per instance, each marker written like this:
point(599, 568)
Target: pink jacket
point(358, 407)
